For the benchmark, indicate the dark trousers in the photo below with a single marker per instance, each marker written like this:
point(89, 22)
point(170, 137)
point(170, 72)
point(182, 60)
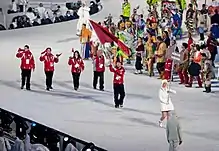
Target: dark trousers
point(25, 78)
point(119, 94)
point(49, 76)
point(99, 75)
point(160, 67)
point(202, 36)
point(76, 78)
point(21, 7)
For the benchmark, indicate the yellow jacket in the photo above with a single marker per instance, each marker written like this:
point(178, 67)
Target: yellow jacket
point(126, 9)
point(85, 35)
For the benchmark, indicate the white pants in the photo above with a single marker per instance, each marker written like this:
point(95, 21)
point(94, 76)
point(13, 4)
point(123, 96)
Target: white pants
point(173, 145)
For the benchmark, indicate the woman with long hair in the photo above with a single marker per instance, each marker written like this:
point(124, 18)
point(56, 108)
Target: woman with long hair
point(139, 54)
point(77, 66)
point(165, 100)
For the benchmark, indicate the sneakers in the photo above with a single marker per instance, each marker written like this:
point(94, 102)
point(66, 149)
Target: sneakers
point(118, 106)
point(160, 124)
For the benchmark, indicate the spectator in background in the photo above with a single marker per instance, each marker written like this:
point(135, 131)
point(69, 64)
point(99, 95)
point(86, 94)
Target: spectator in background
point(70, 147)
point(126, 10)
point(37, 21)
point(4, 143)
point(31, 15)
point(14, 6)
point(22, 4)
point(41, 11)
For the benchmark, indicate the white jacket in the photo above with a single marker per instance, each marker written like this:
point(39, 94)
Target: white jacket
point(84, 17)
point(165, 99)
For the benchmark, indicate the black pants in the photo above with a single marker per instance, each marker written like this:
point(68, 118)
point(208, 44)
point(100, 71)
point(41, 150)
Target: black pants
point(202, 36)
point(119, 94)
point(99, 75)
point(76, 78)
point(25, 78)
point(49, 76)
point(21, 7)
point(160, 67)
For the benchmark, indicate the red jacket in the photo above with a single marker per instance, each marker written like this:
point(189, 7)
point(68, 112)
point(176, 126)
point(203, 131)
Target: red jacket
point(190, 42)
point(99, 63)
point(77, 65)
point(49, 60)
point(27, 59)
point(118, 74)
point(168, 65)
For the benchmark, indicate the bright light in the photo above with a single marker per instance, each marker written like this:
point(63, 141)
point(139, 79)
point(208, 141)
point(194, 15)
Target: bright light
point(66, 139)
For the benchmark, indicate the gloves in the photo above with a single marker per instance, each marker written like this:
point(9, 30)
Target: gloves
point(58, 55)
point(20, 50)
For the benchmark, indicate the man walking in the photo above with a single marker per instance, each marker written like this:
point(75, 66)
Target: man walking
point(173, 130)
point(27, 64)
point(49, 60)
point(99, 69)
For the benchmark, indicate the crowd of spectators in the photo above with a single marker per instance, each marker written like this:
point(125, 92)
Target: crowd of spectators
point(20, 134)
point(42, 15)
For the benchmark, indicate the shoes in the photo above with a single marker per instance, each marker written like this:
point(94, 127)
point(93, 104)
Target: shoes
point(160, 124)
point(22, 87)
point(47, 89)
point(50, 87)
point(188, 85)
point(28, 89)
point(76, 89)
point(95, 88)
point(116, 106)
point(101, 89)
point(121, 105)
point(181, 83)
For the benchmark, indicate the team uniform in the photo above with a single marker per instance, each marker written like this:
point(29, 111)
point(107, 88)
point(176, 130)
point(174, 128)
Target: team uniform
point(118, 85)
point(49, 61)
point(27, 64)
point(77, 66)
point(99, 69)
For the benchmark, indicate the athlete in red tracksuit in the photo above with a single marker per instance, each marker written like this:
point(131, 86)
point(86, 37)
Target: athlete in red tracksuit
point(27, 64)
point(99, 69)
point(118, 83)
point(49, 60)
point(77, 66)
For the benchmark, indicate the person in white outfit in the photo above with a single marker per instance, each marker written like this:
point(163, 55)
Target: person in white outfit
point(84, 16)
point(41, 11)
point(165, 100)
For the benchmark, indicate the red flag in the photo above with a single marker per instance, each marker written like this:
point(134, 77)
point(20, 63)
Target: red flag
point(106, 37)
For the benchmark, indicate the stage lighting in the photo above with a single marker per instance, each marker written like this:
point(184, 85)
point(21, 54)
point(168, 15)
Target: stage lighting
point(65, 139)
point(6, 120)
